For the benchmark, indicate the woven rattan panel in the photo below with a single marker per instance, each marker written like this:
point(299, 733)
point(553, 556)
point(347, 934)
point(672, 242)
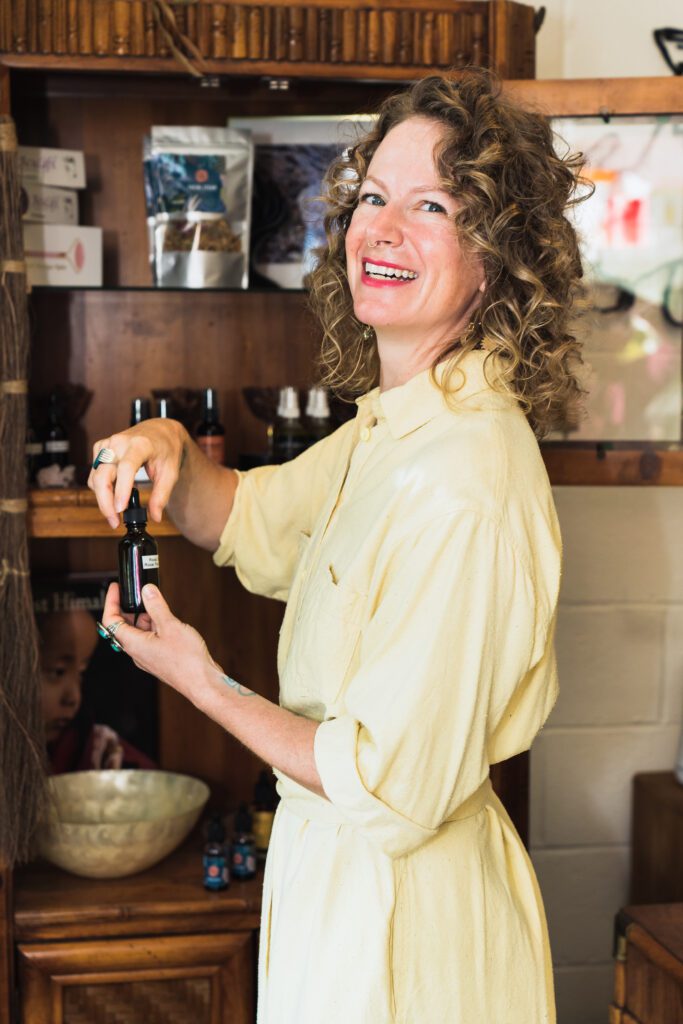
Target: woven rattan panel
point(452, 34)
point(173, 1001)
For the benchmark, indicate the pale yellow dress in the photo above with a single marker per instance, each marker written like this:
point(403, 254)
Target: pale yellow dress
point(419, 553)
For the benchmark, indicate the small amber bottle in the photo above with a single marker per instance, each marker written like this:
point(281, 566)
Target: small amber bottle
point(138, 556)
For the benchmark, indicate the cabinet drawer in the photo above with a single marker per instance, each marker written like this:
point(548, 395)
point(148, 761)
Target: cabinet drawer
point(206, 979)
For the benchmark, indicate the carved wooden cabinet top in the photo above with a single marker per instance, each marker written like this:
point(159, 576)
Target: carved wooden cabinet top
point(375, 39)
point(168, 899)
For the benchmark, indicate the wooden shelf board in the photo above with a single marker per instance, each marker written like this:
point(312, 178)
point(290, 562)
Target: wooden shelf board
point(339, 70)
point(73, 512)
point(599, 97)
point(169, 898)
point(593, 467)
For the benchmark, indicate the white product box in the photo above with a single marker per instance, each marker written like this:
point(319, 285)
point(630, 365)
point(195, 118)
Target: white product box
point(62, 167)
point(62, 254)
point(42, 204)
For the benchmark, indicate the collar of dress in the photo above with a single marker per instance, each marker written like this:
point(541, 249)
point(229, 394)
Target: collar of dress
point(419, 400)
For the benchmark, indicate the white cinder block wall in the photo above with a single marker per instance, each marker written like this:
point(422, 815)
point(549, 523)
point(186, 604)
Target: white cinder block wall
point(620, 627)
point(620, 655)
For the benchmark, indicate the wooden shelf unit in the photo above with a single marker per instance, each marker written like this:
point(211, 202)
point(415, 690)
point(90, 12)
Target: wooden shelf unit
point(73, 512)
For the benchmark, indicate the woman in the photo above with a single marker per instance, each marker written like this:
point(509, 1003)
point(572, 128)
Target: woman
point(419, 553)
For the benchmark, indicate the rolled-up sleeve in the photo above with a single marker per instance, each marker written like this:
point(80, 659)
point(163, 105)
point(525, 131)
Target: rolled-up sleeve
point(273, 506)
point(450, 639)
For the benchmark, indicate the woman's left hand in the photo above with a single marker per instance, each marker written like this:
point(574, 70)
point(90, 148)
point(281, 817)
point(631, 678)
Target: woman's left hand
point(160, 643)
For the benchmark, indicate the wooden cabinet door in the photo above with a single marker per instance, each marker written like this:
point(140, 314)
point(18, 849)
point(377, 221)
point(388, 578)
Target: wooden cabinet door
point(202, 979)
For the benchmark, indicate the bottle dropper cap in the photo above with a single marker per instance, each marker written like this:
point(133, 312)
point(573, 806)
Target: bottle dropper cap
point(243, 819)
point(288, 405)
point(135, 513)
point(318, 406)
point(216, 830)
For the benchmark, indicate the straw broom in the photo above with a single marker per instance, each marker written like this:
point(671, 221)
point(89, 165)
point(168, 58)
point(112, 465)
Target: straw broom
point(22, 761)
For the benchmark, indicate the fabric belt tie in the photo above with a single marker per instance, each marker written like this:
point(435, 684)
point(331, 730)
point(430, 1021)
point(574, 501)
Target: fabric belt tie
point(318, 809)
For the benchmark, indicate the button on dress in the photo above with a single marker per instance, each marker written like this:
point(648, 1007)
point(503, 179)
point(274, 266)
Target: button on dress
point(419, 554)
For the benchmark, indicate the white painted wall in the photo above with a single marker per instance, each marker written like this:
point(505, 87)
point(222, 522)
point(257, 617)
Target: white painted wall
point(620, 627)
point(603, 38)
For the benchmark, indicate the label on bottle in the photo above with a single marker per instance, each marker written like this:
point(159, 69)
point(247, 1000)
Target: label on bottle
point(34, 448)
point(150, 561)
point(56, 446)
point(216, 871)
point(243, 861)
point(213, 447)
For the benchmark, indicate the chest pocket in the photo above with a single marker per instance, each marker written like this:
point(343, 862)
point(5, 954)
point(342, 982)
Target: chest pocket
point(325, 636)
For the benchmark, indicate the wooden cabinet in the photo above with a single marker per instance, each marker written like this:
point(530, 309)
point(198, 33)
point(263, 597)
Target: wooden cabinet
point(158, 938)
point(190, 977)
point(648, 980)
point(657, 838)
point(153, 946)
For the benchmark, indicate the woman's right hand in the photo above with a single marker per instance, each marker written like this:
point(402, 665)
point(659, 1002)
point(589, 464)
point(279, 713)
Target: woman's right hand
point(157, 444)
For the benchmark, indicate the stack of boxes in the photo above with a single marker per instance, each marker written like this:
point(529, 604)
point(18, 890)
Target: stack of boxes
point(58, 250)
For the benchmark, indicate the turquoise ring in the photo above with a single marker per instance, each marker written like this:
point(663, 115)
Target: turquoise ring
point(104, 455)
point(109, 633)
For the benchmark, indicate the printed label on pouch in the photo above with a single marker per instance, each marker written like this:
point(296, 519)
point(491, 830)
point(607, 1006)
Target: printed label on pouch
point(56, 446)
point(150, 561)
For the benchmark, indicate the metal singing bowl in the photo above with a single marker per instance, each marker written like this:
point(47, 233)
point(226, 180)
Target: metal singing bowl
point(108, 824)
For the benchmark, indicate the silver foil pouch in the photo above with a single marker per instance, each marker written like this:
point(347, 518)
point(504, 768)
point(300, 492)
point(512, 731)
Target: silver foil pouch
point(198, 185)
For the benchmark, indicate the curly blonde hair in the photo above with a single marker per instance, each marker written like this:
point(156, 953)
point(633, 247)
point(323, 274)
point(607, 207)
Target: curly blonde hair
point(513, 189)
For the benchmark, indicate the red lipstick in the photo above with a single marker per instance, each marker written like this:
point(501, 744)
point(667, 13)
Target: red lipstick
point(377, 282)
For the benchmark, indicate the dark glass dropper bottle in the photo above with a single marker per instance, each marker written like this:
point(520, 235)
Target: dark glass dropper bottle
point(210, 433)
point(56, 438)
point(138, 556)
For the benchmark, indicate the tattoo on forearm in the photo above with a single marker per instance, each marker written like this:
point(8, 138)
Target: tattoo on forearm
point(237, 687)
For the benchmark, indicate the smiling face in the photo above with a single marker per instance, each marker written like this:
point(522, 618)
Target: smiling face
point(408, 275)
point(67, 641)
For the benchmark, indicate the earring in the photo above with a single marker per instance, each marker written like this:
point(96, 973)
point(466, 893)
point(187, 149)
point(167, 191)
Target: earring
point(367, 332)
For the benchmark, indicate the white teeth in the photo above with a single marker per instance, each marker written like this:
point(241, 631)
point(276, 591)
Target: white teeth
point(374, 270)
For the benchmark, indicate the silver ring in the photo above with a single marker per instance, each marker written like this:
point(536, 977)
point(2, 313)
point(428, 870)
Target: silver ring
point(105, 455)
point(114, 626)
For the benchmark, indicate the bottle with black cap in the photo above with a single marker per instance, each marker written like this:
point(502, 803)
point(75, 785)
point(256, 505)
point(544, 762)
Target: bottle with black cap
point(215, 860)
point(138, 556)
point(56, 441)
point(243, 859)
